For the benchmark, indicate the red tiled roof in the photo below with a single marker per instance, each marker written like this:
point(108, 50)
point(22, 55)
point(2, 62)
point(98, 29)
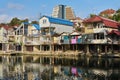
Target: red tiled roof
point(108, 11)
point(107, 22)
point(92, 19)
point(6, 27)
point(114, 32)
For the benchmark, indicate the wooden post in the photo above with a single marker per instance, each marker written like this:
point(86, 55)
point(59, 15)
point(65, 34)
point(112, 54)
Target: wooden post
point(87, 47)
point(106, 49)
point(73, 47)
point(98, 49)
point(76, 46)
point(53, 47)
point(40, 48)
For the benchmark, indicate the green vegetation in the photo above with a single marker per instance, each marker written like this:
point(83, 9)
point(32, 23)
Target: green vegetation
point(16, 21)
point(116, 16)
point(92, 15)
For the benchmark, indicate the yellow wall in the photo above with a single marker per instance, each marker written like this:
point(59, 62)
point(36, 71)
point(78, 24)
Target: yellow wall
point(88, 29)
point(30, 28)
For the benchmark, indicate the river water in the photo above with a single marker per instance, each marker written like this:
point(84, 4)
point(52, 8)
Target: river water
point(59, 68)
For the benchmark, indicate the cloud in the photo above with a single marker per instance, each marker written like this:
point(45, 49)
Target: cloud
point(5, 18)
point(15, 6)
point(43, 6)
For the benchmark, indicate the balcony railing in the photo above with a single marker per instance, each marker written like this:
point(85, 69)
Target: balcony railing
point(99, 41)
point(32, 43)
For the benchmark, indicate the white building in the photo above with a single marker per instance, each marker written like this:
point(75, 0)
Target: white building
point(55, 25)
point(3, 37)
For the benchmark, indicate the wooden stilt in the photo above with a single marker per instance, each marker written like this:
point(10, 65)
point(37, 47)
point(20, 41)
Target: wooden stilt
point(73, 46)
point(53, 47)
point(87, 49)
point(106, 49)
point(76, 47)
point(62, 48)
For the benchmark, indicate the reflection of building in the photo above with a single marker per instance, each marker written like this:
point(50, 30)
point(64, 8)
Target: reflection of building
point(30, 76)
point(1, 71)
point(63, 12)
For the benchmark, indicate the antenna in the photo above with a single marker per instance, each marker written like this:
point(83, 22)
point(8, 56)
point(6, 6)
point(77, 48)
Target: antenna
point(39, 16)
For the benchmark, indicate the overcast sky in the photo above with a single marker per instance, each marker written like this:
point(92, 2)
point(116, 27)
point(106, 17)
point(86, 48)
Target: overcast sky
point(32, 9)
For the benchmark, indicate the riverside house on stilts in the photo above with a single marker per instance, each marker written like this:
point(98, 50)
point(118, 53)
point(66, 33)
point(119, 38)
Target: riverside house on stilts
point(98, 35)
point(25, 37)
point(76, 41)
point(50, 27)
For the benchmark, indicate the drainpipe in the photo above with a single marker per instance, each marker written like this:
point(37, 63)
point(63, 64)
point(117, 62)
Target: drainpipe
point(50, 52)
point(23, 39)
point(50, 39)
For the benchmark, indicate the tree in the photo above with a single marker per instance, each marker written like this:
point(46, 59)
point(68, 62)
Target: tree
point(15, 21)
point(116, 16)
point(118, 11)
point(78, 29)
point(35, 22)
point(25, 20)
point(92, 15)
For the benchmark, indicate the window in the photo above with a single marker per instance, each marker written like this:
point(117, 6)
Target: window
point(99, 25)
point(99, 36)
point(94, 25)
point(44, 21)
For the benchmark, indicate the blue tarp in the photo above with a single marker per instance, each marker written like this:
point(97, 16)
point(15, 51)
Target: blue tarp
point(36, 26)
point(79, 40)
point(66, 37)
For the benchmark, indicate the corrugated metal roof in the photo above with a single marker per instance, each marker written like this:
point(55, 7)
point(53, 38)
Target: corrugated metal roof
point(59, 21)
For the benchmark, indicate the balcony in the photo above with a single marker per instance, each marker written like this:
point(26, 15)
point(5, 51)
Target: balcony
point(99, 41)
point(32, 42)
point(99, 30)
point(56, 41)
point(11, 38)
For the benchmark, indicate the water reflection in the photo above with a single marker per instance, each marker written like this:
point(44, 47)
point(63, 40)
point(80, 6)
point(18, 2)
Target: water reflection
point(59, 68)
